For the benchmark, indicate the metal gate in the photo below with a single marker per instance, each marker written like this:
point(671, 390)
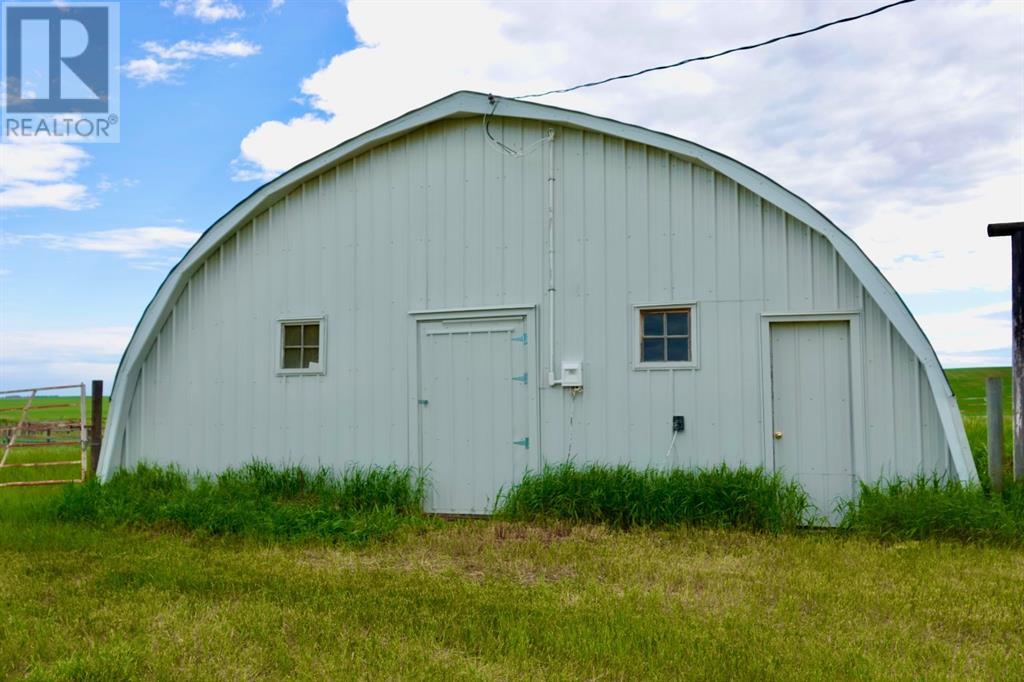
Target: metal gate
point(52, 440)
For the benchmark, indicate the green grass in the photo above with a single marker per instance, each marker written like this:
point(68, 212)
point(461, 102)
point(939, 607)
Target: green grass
point(930, 507)
point(47, 473)
point(969, 387)
point(52, 408)
point(624, 497)
point(256, 501)
point(977, 438)
point(499, 600)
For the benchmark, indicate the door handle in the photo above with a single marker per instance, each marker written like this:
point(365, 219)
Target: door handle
point(778, 435)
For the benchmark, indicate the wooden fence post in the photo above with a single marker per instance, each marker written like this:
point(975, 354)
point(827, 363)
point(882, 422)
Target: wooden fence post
point(994, 403)
point(96, 427)
point(1015, 231)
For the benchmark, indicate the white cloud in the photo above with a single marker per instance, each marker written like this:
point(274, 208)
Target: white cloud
point(906, 128)
point(146, 247)
point(943, 246)
point(275, 5)
point(63, 195)
point(148, 70)
point(167, 61)
point(37, 174)
point(976, 336)
point(107, 185)
point(65, 344)
point(832, 115)
point(39, 162)
point(185, 50)
point(60, 356)
point(207, 11)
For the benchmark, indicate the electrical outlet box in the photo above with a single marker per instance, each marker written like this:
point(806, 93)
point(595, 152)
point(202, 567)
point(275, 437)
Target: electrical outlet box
point(678, 423)
point(572, 374)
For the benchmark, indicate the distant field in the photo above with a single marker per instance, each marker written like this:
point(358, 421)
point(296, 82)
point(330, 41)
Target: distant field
point(969, 387)
point(46, 408)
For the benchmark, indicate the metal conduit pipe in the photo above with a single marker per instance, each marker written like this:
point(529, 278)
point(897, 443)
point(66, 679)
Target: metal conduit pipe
point(552, 379)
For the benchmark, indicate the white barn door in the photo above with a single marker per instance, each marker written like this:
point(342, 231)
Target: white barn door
point(474, 404)
point(812, 409)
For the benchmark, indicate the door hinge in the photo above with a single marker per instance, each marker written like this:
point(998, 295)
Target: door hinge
point(525, 442)
point(521, 338)
point(524, 377)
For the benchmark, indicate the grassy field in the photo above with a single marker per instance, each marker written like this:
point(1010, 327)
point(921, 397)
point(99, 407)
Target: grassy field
point(46, 408)
point(492, 600)
point(500, 600)
point(969, 387)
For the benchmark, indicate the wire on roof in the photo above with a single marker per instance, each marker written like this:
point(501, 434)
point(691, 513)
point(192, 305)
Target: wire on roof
point(499, 144)
point(717, 54)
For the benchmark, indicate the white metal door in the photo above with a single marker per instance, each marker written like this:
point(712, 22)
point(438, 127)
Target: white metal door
point(474, 402)
point(811, 407)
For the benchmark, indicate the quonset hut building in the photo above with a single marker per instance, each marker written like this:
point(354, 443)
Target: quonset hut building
point(480, 287)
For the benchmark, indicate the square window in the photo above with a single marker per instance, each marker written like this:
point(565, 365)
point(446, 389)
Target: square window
point(300, 346)
point(665, 335)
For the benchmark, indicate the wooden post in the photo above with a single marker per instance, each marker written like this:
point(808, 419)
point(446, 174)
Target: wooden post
point(96, 427)
point(1016, 233)
point(994, 403)
point(1017, 289)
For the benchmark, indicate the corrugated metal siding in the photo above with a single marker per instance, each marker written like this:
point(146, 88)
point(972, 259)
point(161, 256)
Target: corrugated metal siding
point(438, 219)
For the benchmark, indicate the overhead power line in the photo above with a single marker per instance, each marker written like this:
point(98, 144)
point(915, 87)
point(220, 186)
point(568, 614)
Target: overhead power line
point(717, 54)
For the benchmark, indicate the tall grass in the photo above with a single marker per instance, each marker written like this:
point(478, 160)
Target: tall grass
point(624, 497)
point(256, 500)
point(932, 507)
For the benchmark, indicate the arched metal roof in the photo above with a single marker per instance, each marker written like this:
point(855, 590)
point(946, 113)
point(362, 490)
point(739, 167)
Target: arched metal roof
point(477, 104)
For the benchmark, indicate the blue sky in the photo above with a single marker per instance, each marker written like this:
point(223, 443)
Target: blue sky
point(907, 129)
point(172, 170)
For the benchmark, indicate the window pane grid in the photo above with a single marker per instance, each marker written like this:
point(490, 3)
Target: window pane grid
point(665, 335)
point(300, 345)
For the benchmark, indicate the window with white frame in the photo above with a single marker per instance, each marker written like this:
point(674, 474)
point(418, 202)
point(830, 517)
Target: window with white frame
point(666, 335)
point(301, 346)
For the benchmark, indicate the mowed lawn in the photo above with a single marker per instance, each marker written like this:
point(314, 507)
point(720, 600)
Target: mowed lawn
point(490, 600)
point(493, 600)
